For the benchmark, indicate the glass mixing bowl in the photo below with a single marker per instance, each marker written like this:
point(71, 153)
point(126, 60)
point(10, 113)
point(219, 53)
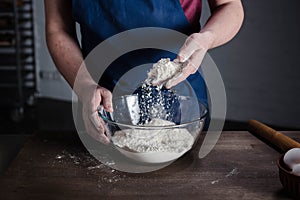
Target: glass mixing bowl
point(153, 142)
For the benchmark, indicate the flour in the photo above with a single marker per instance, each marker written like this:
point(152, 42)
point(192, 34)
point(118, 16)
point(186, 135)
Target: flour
point(162, 71)
point(175, 140)
point(155, 101)
point(158, 107)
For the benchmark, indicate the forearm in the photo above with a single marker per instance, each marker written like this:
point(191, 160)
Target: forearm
point(65, 54)
point(68, 59)
point(225, 21)
point(63, 45)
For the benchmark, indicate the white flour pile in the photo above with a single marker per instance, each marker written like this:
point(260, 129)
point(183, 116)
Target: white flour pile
point(159, 140)
point(163, 70)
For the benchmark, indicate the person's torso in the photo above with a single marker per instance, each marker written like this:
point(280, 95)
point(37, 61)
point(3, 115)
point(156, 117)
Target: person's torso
point(100, 19)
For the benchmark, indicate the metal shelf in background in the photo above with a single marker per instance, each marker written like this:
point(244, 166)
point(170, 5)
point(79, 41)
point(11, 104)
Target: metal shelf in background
point(17, 66)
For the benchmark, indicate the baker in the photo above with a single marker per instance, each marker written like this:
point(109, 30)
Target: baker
point(101, 19)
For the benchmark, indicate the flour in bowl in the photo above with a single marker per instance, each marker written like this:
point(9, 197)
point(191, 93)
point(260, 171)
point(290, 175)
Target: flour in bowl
point(173, 140)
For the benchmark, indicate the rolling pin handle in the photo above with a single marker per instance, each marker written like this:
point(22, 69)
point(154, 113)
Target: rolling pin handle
point(276, 138)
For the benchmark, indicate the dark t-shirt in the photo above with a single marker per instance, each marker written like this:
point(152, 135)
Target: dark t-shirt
point(192, 10)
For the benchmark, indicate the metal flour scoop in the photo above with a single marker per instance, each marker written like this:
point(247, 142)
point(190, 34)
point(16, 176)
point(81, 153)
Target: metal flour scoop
point(146, 103)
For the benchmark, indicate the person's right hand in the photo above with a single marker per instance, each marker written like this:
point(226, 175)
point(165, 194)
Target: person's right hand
point(95, 127)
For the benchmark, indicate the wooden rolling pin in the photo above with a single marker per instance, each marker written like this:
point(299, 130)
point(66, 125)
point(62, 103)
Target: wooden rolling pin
point(279, 140)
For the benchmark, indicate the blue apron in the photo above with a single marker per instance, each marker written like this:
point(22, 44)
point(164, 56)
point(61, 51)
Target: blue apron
point(101, 19)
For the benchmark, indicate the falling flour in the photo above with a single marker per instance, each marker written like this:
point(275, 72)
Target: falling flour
point(155, 101)
point(175, 140)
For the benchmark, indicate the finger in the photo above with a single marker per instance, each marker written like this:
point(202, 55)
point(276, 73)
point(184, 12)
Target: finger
point(188, 70)
point(97, 128)
point(106, 99)
point(98, 136)
point(105, 128)
point(101, 137)
point(192, 66)
point(95, 121)
point(172, 82)
point(188, 48)
point(166, 80)
point(171, 76)
point(196, 59)
point(94, 133)
point(156, 83)
point(95, 101)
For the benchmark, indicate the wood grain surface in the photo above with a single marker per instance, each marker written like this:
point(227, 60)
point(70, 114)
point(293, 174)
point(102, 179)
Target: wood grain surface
point(57, 166)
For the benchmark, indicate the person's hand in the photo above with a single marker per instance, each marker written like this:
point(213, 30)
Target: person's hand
point(191, 55)
point(94, 125)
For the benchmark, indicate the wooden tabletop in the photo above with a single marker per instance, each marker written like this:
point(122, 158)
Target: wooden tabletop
point(57, 166)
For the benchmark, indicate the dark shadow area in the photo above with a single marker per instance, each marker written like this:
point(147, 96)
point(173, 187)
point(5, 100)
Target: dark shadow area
point(56, 115)
point(45, 115)
point(10, 145)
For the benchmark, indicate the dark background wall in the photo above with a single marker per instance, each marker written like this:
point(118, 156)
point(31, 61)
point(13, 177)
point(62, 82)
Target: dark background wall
point(261, 66)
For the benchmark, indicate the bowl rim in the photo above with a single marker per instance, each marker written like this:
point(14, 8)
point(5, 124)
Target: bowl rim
point(201, 119)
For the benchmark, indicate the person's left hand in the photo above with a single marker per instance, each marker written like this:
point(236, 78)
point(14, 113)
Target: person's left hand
point(191, 55)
